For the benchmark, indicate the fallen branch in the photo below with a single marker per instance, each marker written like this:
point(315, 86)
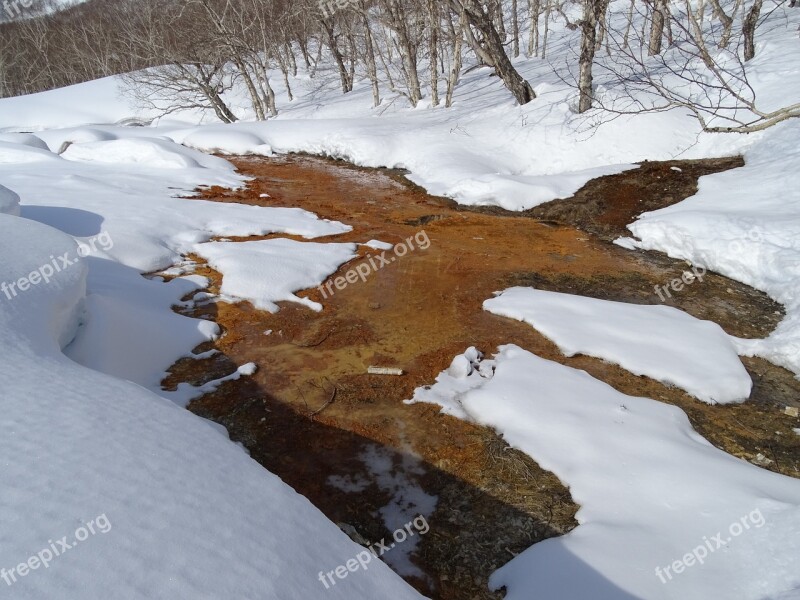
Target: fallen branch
point(324, 406)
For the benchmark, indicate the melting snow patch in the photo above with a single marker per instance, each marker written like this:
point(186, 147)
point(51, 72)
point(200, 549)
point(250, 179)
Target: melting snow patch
point(268, 271)
point(652, 491)
point(661, 342)
point(408, 501)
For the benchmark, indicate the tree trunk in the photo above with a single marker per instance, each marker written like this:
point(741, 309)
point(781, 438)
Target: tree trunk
point(434, 52)
point(455, 72)
point(347, 85)
point(372, 69)
point(515, 26)
point(592, 9)
point(492, 45)
point(657, 27)
point(749, 30)
point(534, 8)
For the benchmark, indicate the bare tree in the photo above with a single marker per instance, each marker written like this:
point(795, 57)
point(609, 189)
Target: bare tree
point(714, 87)
point(489, 47)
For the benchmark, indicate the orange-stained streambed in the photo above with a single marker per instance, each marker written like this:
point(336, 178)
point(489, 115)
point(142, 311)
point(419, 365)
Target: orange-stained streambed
point(312, 412)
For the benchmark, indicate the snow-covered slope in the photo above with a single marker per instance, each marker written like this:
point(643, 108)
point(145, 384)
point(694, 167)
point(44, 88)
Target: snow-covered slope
point(177, 510)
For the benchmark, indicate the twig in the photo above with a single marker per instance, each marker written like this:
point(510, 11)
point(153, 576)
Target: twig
point(324, 406)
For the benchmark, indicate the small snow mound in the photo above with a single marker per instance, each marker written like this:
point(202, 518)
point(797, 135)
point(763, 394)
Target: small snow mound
point(465, 364)
point(17, 154)
point(149, 152)
point(378, 245)
point(248, 369)
point(460, 367)
point(9, 202)
point(24, 139)
point(225, 141)
point(87, 135)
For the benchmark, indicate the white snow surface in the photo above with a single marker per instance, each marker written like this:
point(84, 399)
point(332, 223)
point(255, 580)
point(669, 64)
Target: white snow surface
point(190, 515)
point(651, 489)
point(269, 271)
point(661, 342)
point(745, 224)
point(9, 202)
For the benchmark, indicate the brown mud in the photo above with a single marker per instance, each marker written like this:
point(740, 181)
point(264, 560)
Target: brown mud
point(312, 412)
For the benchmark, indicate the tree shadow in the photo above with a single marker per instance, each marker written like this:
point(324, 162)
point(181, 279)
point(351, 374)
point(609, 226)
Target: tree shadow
point(73, 221)
point(472, 531)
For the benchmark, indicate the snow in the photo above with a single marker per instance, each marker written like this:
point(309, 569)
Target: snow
point(378, 245)
point(407, 501)
point(222, 140)
point(661, 342)
point(99, 101)
point(9, 202)
point(15, 154)
point(745, 224)
point(26, 139)
point(122, 305)
point(190, 514)
point(269, 271)
point(650, 488)
point(159, 154)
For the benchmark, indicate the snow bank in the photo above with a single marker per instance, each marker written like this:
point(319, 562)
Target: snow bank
point(188, 514)
point(652, 491)
point(221, 140)
point(9, 202)
point(17, 154)
point(99, 101)
point(129, 330)
point(154, 153)
point(745, 224)
point(269, 271)
point(26, 139)
point(112, 187)
point(661, 342)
